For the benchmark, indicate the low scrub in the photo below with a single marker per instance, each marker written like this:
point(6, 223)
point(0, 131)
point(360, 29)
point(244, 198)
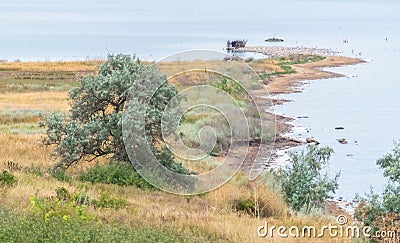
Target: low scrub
point(7, 179)
point(105, 201)
point(31, 229)
point(119, 173)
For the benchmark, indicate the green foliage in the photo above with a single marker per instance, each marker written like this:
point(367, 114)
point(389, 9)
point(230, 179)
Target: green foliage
point(30, 228)
point(300, 59)
point(93, 128)
point(106, 201)
point(391, 198)
point(244, 205)
point(381, 211)
point(62, 194)
point(251, 207)
point(34, 170)
point(231, 87)
point(286, 62)
point(167, 159)
point(7, 179)
point(53, 208)
point(81, 198)
point(285, 70)
point(390, 164)
point(60, 174)
point(121, 174)
point(303, 184)
point(369, 210)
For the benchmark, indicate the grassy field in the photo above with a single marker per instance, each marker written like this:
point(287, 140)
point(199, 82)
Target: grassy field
point(37, 205)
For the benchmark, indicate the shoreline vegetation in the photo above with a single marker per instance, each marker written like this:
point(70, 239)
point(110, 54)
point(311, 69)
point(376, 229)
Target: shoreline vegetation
point(79, 200)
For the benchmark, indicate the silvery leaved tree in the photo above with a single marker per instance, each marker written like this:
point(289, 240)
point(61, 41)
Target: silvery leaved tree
point(93, 127)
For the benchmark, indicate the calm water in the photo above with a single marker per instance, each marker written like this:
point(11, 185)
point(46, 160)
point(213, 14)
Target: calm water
point(366, 103)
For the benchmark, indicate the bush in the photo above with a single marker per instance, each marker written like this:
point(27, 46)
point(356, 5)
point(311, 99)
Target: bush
point(121, 174)
point(251, 207)
point(381, 212)
point(62, 194)
point(303, 185)
point(61, 175)
point(7, 179)
point(369, 210)
point(106, 201)
point(34, 170)
point(390, 164)
point(52, 209)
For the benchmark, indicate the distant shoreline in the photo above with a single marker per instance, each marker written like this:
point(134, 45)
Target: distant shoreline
point(284, 51)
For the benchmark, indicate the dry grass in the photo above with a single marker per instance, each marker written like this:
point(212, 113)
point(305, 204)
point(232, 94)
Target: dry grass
point(78, 66)
point(24, 150)
point(212, 212)
point(40, 101)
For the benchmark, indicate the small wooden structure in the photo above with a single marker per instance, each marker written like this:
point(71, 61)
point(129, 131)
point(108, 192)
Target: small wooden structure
point(232, 45)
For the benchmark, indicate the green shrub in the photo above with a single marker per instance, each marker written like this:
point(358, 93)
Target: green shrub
point(7, 179)
point(381, 212)
point(81, 198)
point(303, 185)
point(61, 175)
point(62, 194)
point(34, 170)
point(121, 174)
point(300, 59)
point(52, 208)
point(390, 164)
point(251, 207)
point(106, 201)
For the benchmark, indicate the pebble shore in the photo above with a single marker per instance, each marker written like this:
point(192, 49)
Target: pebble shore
point(280, 51)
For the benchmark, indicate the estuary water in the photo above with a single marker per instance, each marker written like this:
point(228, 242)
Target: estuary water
point(365, 103)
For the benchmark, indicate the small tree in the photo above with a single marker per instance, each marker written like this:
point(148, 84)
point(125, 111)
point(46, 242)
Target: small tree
point(93, 128)
point(381, 211)
point(303, 184)
point(390, 164)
